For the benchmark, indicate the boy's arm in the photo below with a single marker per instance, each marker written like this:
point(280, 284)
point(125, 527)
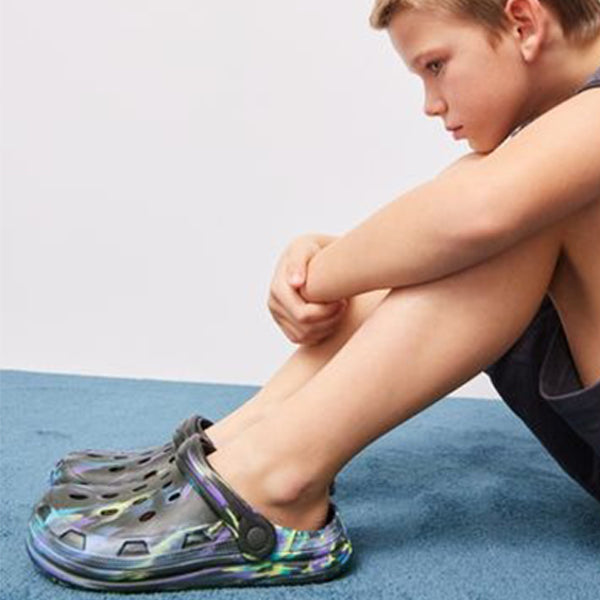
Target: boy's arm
point(426, 233)
point(474, 210)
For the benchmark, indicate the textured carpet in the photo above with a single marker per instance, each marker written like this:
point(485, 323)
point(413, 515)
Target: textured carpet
point(460, 502)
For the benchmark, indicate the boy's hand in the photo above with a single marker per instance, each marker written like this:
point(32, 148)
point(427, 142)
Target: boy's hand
point(302, 322)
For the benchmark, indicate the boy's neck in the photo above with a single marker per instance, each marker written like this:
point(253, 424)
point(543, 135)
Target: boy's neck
point(579, 64)
point(562, 72)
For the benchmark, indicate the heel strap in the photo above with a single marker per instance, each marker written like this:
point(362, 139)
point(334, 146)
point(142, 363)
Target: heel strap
point(190, 426)
point(255, 535)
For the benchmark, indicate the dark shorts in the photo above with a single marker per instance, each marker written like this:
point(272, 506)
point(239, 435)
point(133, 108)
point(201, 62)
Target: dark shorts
point(538, 379)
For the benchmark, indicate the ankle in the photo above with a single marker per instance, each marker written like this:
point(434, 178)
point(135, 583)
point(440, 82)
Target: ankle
point(225, 430)
point(279, 482)
point(287, 486)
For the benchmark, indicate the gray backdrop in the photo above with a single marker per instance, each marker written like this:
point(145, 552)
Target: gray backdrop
point(159, 156)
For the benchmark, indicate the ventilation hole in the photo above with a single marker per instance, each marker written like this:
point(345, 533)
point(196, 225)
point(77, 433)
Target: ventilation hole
point(94, 455)
point(139, 488)
point(144, 460)
point(121, 457)
point(78, 496)
point(109, 511)
point(43, 511)
point(115, 469)
point(171, 459)
point(174, 496)
point(151, 474)
point(147, 515)
point(133, 548)
point(74, 538)
point(147, 453)
point(166, 485)
point(165, 474)
point(82, 483)
point(140, 500)
point(167, 449)
point(109, 496)
point(195, 538)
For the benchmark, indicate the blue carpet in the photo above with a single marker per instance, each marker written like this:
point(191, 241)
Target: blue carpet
point(460, 502)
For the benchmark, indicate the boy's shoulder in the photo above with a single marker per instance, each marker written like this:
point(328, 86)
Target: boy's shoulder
point(592, 81)
point(549, 170)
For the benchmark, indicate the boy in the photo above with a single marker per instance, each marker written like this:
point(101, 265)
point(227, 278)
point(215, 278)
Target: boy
point(478, 269)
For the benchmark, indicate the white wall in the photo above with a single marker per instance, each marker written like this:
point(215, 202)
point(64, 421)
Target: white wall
point(159, 155)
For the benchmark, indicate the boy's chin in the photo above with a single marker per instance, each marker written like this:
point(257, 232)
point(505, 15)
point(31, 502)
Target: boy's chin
point(482, 146)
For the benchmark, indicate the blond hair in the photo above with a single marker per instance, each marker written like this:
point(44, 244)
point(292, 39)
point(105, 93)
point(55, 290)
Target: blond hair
point(579, 19)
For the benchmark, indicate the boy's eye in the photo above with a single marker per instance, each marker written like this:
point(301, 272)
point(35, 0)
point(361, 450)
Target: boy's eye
point(434, 63)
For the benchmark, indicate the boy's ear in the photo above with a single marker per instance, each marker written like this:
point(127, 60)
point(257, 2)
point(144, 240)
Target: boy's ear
point(530, 21)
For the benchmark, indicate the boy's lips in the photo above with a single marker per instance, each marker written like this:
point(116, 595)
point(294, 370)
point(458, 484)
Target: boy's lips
point(456, 131)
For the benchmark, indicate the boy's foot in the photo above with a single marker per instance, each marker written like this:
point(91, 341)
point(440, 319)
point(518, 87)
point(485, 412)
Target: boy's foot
point(205, 535)
point(135, 468)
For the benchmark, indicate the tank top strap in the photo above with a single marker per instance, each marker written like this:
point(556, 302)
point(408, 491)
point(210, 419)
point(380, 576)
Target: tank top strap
point(593, 81)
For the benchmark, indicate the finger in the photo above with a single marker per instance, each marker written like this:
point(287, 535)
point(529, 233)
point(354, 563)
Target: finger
point(283, 318)
point(288, 302)
point(303, 331)
point(296, 309)
point(290, 330)
point(296, 277)
point(297, 258)
point(316, 312)
point(303, 311)
point(324, 328)
point(321, 330)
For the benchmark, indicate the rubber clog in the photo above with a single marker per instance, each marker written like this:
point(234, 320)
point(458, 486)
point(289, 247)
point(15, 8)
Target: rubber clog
point(203, 535)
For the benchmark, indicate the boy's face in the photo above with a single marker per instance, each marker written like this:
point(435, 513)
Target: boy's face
point(467, 81)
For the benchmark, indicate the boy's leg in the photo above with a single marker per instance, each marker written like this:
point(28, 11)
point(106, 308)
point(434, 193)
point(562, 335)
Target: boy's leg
point(575, 289)
point(304, 363)
point(418, 345)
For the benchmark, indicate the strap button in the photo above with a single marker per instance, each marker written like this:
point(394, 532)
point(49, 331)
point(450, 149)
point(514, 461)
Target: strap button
point(256, 537)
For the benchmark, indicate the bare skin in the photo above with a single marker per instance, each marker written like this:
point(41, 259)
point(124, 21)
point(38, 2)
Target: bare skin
point(450, 330)
point(398, 351)
point(576, 291)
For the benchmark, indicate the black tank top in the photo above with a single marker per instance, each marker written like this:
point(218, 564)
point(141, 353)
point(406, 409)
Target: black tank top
point(593, 81)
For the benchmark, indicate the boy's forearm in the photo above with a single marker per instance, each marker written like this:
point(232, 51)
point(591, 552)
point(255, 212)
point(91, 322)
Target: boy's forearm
point(433, 230)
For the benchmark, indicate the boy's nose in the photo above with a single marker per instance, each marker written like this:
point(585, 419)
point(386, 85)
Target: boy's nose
point(434, 106)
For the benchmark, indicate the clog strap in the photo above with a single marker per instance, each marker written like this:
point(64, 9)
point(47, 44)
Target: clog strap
point(190, 426)
point(255, 535)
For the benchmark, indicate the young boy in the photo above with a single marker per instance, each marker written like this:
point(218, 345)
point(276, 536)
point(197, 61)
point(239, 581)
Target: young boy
point(492, 265)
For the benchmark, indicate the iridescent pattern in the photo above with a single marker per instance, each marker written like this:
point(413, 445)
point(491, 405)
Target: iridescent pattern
point(171, 538)
point(121, 467)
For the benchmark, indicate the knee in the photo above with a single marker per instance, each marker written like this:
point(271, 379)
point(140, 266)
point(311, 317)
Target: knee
point(581, 226)
point(359, 309)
